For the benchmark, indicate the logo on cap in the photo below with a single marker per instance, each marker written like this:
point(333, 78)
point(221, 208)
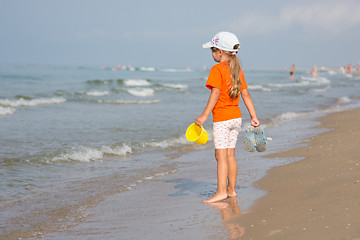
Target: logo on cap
point(215, 40)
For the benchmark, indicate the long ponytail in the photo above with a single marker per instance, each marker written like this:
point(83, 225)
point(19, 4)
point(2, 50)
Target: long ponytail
point(235, 74)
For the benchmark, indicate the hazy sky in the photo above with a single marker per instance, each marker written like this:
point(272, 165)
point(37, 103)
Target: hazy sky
point(166, 33)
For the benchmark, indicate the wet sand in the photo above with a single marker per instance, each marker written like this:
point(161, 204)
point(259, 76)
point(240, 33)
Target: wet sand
point(315, 198)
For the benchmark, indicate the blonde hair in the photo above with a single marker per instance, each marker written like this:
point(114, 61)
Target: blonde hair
point(235, 69)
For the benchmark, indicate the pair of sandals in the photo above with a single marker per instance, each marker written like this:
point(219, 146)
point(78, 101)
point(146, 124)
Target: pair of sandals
point(255, 139)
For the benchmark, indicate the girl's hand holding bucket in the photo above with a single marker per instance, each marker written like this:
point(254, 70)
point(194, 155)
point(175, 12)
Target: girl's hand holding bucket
point(197, 134)
point(200, 120)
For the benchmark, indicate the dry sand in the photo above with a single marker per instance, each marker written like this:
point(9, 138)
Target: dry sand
point(315, 198)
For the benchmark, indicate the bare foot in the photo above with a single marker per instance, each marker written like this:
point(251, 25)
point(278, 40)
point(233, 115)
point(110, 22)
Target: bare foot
point(217, 197)
point(232, 194)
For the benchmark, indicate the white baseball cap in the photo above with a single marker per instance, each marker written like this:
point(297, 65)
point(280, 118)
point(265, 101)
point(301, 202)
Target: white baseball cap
point(224, 41)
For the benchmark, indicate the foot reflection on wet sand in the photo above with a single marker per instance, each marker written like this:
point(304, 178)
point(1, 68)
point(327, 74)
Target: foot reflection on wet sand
point(229, 209)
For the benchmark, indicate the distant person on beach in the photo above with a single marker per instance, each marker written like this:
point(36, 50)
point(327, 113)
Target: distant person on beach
point(227, 82)
point(292, 71)
point(314, 72)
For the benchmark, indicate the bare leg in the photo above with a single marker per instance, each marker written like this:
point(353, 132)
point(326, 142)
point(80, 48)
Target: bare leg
point(222, 176)
point(232, 175)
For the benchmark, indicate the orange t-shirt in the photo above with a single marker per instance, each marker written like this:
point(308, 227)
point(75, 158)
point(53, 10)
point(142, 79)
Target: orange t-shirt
point(226, 108)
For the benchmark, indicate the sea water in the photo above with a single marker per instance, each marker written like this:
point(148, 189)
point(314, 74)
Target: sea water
point(70, 136)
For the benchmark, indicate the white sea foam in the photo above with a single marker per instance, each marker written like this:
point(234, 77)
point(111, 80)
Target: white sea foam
point(289, 116)
point(343, 100)
point(295, 84)
point(87, 154)
point(331, 72)
point(148, 178)
point(129, 101)
point(32, 102)
point(174, 70)
point(82, 154)
point(6, 111)
point(147, 69)
point(259, 88)
point(325, 89)
point(96, 93)
point(316, 81)
point(117, 150)
point(304, 81)
point(172, 142)
point(176, 86)
point(141, 92)
point(137, 82)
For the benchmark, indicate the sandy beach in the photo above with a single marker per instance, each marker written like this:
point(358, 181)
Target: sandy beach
point(315, 198)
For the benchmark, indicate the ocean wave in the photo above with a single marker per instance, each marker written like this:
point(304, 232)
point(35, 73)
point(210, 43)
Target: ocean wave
point(147, 69)
point(120, 102)
point(176, 86)
point(289, 116)
point(317, 80)
point(137, 82)
point(331, 72)
point(345, 103)
point(343, 100)
point(295, 84)
point(6, 111)
point(141, 92)
point(149, 178)
point(87, 154)
point(96, 93)
point(303, 82)
point(31, 102)
point(174, 70)
point(259, 88)
point(325, 89)
point(100, 82)
point(171, 142)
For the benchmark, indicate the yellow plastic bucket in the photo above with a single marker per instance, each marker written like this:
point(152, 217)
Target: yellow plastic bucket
point(197, 134)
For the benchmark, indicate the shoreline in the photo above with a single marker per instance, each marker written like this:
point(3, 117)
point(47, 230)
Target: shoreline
point(314, 197)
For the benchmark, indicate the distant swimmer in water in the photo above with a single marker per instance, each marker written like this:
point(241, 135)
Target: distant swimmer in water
point(357, 70)
point(342, 70)
point(314, 72)
point(292, 71)
point(349, 69)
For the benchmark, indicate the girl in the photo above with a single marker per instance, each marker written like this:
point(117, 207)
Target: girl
point(227, 82)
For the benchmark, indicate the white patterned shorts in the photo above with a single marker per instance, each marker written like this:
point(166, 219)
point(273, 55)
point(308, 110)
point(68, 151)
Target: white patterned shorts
point(226, 132)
